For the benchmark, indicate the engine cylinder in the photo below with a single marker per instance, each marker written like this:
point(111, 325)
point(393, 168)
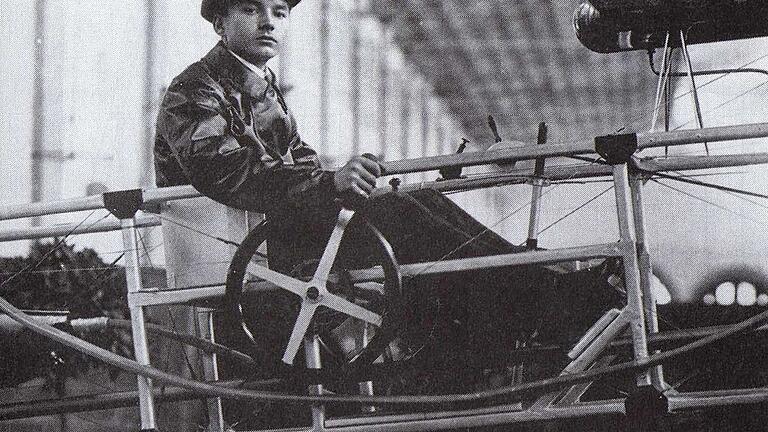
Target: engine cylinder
point(607, 26)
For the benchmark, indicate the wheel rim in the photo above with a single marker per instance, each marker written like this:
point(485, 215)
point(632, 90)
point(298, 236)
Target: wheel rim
point(394, 312)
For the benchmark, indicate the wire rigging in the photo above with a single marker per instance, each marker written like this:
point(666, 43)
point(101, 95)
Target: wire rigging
point(588, 202)
point(53, 249)
point(721, 207)
point(740, 95)
point(686, 179)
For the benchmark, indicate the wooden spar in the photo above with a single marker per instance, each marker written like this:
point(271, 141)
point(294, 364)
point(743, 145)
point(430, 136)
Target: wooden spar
point(431, 163)
point(574, 172)
point(686, 163)
point(91, 202)
point(40, 232)
point(468, 264)
point(645, 140)
point(694, 136)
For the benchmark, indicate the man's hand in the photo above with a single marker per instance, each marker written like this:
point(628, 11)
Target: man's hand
point(357, 177)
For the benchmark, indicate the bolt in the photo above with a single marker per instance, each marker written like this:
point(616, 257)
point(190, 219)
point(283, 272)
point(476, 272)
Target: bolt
point(313, 293)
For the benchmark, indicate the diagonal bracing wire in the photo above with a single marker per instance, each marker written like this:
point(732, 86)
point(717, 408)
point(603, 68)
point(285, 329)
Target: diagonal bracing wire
point(687, 179)
point(738, 96)
point(714, 204)
point(586, 203)
point(639, 115)
point(52, 250)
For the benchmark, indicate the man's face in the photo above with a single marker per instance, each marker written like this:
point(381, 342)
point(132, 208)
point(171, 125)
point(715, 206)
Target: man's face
point(254, 29)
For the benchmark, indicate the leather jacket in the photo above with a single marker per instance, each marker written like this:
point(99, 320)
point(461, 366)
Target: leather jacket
point(229, 133)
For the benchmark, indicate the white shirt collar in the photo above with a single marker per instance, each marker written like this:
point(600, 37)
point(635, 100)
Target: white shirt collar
point(255, 69)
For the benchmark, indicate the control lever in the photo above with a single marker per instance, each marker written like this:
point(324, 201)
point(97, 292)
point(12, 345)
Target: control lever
point(453, 173)
point(494, 129)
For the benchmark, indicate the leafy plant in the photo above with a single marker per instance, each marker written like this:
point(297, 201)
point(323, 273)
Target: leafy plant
point(56, 277)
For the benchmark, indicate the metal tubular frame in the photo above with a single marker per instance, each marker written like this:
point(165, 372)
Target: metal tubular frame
point(211, 370)
point(139, 331)
point(694, 90)
point(644, 262)
point(537, 182)
point(312, 352)
point(631, 247)
point(628, 245)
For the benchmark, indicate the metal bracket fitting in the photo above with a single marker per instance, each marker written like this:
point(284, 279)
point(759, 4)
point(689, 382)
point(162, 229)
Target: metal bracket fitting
point(616, 149)
point(646, 410)
point(124, 204)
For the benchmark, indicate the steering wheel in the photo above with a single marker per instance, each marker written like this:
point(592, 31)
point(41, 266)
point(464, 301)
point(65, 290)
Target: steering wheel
point(317, 297)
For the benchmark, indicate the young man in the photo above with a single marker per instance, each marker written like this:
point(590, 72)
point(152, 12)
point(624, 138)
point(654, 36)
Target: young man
point(224, 127)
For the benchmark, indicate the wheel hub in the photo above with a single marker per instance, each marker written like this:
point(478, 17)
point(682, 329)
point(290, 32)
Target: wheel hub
point(313, 293)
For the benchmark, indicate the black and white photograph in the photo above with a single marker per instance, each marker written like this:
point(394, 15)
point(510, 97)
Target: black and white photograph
point(383, 216)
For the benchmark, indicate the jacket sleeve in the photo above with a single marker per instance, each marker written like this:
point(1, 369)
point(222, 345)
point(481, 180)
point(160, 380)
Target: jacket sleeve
point(239, 174)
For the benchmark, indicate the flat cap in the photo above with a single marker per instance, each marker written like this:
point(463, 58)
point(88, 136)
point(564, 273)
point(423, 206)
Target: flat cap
point(211, 8)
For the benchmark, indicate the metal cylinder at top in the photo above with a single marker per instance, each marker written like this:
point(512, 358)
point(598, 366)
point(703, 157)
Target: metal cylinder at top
point(608, 26)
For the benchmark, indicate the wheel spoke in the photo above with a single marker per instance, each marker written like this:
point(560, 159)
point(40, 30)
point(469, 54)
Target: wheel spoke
point(345, 306)
point(332, 248)
point(285, 282)
point(299, 331)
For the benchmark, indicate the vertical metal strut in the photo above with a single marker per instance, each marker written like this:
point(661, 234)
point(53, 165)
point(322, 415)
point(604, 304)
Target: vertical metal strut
point(628, 244)
point(644, 260)
point(312, 353)
point(140, 343)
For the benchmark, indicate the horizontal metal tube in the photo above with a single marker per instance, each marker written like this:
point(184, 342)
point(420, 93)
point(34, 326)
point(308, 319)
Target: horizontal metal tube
point(153, 297)
point(574, 172)
point(686, 163)
point(688, 401)
point(454, 419)
point(92, 202)
point(88, 403)
point(428, 415)
point(502, 179)
point(18, 211)
point(440, 420)
point(693, 136)
point(72, 229)
point(161, 195)
point(74, 404)
point(401, 422)
point(431, 163)
point(478, 263)
point(466, 419)
point(645, 140)
point(191, 295)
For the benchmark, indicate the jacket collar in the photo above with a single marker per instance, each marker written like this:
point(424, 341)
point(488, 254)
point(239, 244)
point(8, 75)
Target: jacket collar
point(231, 72)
